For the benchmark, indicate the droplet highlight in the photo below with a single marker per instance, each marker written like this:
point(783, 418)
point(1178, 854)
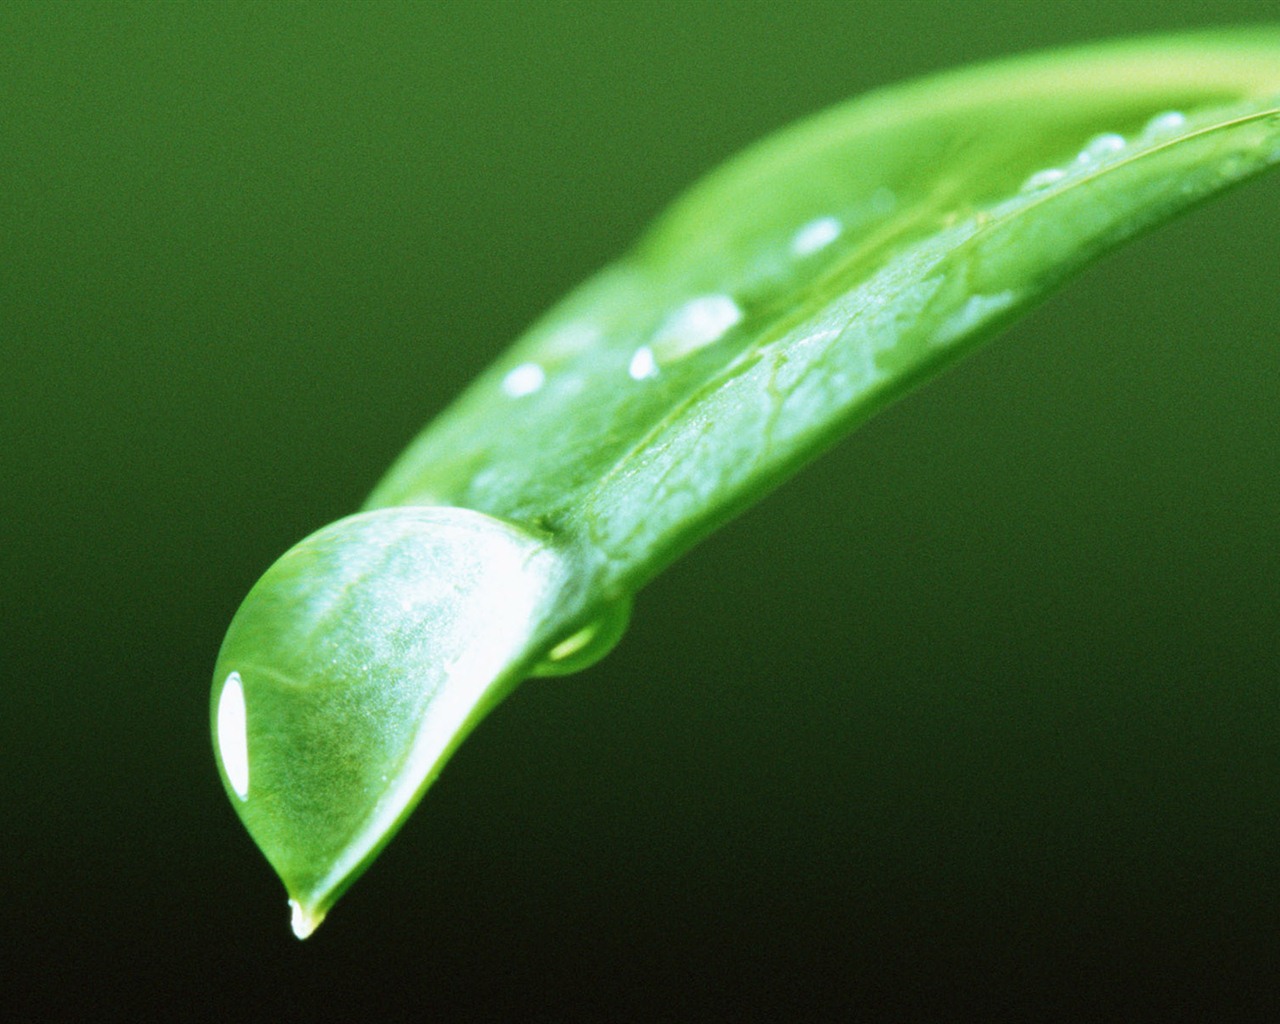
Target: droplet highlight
point(588, 645)
point(696, 324)
point(362, 656)
point(643, 364)
point(1100, 147)
point(233, 735)
point(302, 920)
point(525, 379)
point(1096, 150)
point(816, 235)
point(1043, 179)
point(1165, 123)
point(705, 319)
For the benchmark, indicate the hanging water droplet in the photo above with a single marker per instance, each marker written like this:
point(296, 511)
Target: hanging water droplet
point(355, 666)
point(302, 921)
point(589, 644)
point(525, 379)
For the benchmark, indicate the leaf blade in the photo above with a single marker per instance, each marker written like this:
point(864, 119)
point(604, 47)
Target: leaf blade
point(783, 301)
point(971, 139)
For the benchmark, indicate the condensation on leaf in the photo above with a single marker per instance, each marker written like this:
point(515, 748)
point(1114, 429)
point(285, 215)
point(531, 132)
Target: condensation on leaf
point(784, 300)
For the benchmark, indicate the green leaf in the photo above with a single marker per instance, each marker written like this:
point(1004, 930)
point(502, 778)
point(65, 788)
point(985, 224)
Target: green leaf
point(780, 303)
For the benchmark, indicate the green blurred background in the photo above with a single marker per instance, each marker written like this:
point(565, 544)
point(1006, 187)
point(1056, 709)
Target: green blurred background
point(981, 710)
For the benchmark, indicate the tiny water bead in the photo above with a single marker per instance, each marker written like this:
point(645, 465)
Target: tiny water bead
point(569, 340)
point(643, 364)
point(1166, 123)
point(1043, 179)
point(699, 322)
point(1100, 147)
point(525, 379)
point(1158, 129)
point(815, 235)
point(696, 324)
point(1094, 152)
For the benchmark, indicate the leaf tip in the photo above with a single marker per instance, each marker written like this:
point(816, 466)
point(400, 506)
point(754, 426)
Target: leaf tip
point(304, 920)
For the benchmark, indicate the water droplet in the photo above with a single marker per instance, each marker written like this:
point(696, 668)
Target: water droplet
point(568, 340)
point(302, 920)
point(1043, 179)
point(233, 735)
point(643, 364)
point(1233, 166)
point(367, 651)
point(589, 644)
point(815, 235)
point(1100, 147)
point(883, 202)
point(525, 379)
point(696, 324)
point(1165, 123)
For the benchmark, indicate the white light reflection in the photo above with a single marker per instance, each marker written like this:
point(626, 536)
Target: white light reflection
point(233, 735)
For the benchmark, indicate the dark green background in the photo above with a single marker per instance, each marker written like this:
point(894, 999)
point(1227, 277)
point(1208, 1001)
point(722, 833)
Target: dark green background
point(982, 709)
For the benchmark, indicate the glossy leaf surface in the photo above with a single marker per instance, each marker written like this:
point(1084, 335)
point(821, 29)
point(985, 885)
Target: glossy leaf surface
point(781, 302)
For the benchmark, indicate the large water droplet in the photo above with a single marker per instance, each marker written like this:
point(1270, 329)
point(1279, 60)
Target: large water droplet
point(354, 668)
